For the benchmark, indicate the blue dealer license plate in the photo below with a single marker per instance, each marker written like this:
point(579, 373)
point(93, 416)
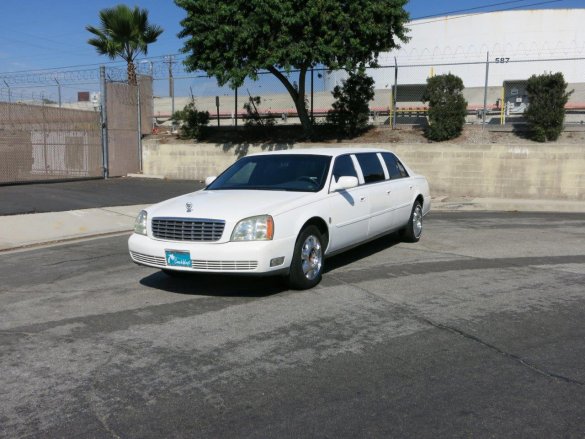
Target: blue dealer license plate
point(178, 259)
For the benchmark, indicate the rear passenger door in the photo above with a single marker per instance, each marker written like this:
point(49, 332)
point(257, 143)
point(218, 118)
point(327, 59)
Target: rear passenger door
point(400, 187)
point(377, 192)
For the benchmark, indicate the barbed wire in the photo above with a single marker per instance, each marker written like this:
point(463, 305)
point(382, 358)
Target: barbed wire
point(162, 68)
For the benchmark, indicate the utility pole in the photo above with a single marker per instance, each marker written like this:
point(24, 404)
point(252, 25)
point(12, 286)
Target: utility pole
point(170, 62)
point(59, 91)
point(104, 120)
point(485, 90)
point(394, 94)
point(9, 92)
point(9, 101)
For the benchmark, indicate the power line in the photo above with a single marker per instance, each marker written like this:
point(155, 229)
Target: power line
point(110, 63)
point(442, 14)
point(478, 13)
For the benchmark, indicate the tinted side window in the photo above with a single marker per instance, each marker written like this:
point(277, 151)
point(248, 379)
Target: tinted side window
point(371, 167)
point(343, 167)
point(395, 168)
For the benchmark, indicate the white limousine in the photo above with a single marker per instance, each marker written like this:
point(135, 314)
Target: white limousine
point(283, 212)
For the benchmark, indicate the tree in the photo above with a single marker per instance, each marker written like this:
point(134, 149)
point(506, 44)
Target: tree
point(447, 107)
point(193, 121)
point(126, 33)
point(235, 39)
point(547, 97)
point(351, 111)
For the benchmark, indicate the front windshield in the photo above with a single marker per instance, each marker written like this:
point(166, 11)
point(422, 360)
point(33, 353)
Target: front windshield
point(279, 172)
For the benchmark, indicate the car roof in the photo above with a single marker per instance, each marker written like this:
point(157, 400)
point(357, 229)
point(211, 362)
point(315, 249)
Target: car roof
point(332, 152)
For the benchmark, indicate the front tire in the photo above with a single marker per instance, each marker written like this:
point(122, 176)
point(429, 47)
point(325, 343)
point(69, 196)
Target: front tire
point(306, 267)
point(413, 230)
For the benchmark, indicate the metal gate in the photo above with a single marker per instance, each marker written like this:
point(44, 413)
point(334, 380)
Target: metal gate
point(125, 106)
point(42, 140)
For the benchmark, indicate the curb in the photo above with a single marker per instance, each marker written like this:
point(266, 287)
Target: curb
point(25, 231)
point(21, 232)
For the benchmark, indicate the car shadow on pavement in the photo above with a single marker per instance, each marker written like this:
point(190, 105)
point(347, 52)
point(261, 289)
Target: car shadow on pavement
point(216, 285)
point(250, 286)
point(362, 251)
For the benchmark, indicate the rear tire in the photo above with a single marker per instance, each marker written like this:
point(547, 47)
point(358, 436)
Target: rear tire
point(413, 230)
point(306, 267)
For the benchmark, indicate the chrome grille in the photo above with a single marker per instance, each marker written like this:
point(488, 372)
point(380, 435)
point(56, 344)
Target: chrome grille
point(224, 265)
point(159, 261)
point(188, 229)
point(149, 260)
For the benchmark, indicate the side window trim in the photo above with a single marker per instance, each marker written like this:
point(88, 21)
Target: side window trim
point(358, 169)
point(383, 162)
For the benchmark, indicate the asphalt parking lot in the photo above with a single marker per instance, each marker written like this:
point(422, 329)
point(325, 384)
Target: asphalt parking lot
point(84, 194)
point(476, 331)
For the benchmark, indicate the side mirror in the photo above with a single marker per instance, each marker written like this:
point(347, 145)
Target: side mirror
point(345, 182)
point(210, 180)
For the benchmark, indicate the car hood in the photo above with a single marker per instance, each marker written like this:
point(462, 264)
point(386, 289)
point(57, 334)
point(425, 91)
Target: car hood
point(228, 205)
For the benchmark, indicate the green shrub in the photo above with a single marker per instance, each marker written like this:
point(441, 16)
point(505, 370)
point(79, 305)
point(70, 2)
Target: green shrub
point(547, 96)
point(351, 111)
point(192, 121)
point(252, 118)
point(447, 107)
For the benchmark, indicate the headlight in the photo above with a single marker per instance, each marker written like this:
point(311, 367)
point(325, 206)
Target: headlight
point(140, 223)
point(256, 228)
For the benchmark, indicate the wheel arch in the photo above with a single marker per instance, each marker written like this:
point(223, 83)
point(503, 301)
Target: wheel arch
point(321, 224)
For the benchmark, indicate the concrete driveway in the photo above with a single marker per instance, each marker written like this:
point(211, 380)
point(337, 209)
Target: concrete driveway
point(476, 331)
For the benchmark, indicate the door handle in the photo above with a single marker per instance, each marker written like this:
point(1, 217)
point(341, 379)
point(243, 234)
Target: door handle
point(363, 199)
point(388, 192)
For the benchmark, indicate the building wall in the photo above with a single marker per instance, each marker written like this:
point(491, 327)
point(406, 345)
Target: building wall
point(524, 35)
point(499, 171)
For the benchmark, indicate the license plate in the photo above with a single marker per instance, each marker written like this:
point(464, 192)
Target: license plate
point(178, 259)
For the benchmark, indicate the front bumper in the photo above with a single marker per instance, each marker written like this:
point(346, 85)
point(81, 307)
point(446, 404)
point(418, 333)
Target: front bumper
point(252, 257)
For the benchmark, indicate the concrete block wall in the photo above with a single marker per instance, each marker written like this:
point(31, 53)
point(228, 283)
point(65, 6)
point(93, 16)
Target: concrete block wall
point(532, 171)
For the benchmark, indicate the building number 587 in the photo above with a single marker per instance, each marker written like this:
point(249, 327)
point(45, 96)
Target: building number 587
point(502, 60)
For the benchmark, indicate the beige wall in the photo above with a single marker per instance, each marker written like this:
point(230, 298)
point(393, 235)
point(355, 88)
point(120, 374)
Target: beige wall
point(516, 171)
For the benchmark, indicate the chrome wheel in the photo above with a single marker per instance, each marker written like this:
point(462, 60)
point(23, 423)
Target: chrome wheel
point(311, 257)
point(417, 219)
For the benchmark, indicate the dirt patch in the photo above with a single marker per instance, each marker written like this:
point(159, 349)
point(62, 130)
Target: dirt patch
point(385, 134)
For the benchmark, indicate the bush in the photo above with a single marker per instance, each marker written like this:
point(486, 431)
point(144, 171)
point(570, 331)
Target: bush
point(351, 111)
point(447, 107)
point(192, 121)
point(547, 96)
point(252, 117)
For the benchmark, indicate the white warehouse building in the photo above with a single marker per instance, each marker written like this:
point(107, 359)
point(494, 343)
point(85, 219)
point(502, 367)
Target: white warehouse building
point(520, 43)
point(539, 37)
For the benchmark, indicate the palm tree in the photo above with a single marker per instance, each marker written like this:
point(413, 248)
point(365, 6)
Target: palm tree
point(124, 32)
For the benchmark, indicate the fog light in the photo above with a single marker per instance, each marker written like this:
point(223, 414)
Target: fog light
point(277, 261)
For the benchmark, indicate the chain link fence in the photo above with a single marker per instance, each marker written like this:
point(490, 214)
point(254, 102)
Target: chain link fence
point(88, 122)
point(494, 91)
point(58, 124)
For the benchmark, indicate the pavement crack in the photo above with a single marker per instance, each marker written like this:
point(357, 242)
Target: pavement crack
point(27, 334)
point(92, 398)
point(79, 260)
point(523, 362)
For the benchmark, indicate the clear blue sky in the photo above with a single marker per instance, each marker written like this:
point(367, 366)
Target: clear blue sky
point(38, 34)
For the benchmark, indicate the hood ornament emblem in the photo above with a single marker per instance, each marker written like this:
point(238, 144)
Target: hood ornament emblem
point(189, 207)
